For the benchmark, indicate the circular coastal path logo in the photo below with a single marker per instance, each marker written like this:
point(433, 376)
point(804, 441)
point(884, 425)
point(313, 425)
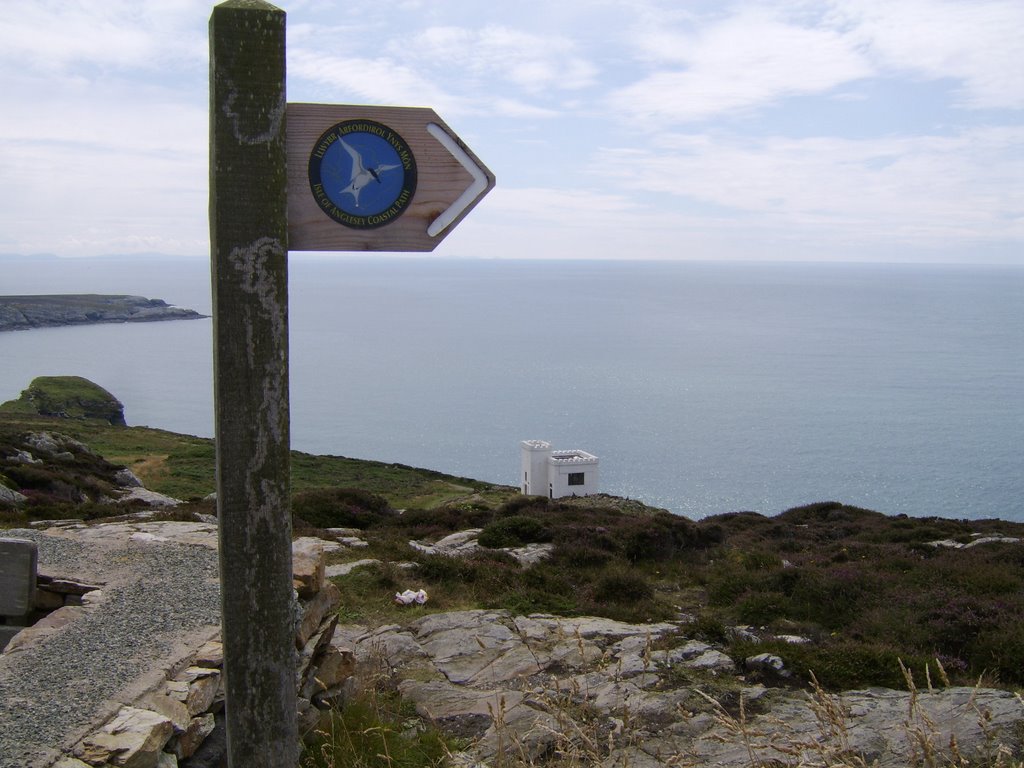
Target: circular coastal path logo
point(362, 174)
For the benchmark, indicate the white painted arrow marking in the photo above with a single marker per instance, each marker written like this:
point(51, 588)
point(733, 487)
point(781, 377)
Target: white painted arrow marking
point(469, 195)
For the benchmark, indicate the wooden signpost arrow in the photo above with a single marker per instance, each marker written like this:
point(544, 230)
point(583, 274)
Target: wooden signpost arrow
point(330, 210)
point(291, 177)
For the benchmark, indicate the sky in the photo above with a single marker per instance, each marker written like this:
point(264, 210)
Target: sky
point(845, 130)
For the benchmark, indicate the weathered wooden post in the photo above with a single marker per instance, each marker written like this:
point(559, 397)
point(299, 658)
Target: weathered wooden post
point(249, 253)
point(313, 192)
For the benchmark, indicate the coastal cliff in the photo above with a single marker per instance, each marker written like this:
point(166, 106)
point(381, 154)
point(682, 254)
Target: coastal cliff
point(19, 313)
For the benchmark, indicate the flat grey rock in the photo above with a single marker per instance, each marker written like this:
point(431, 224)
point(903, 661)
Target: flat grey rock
point(501, 680)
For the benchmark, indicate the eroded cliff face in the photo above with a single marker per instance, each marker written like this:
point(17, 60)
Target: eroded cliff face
point(47, 311)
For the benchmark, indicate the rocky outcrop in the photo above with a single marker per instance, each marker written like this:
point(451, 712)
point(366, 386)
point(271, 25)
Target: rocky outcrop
point(10, 496)
point(977, 539)
point(52, 465)
point(612, 694)
point(465, 543)
point(45, 311)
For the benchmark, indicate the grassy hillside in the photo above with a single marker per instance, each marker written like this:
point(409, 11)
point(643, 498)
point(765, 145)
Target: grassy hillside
point(864, 588)
point(183, 465)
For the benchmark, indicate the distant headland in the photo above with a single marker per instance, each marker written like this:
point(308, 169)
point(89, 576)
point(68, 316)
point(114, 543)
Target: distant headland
point(19, 313)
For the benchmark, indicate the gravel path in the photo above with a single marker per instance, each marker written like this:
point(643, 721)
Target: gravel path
point(155, 596)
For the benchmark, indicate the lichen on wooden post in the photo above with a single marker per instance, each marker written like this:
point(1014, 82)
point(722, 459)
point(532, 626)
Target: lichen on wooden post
point(249, 252)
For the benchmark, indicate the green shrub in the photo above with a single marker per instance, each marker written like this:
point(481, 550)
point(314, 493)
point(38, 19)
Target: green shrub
point(495, 580)
point(760, 560)
point(543, 577)
point(838, 666)
point(581, 555)
point(25, 476)
point(513, 531)
point(762, 607)
point(520, 503)
point(831, 597)
point(640, 542)
point(1000, 652)
point(539, 589)
point(340, 508)
point(707, 627)
point(622, 588)
point(580, 534)
point(955, 623)
point(731, 524)
point(658, 538)
point(435, 523)
point(984, 572)
point(726, 580)
point(441, 569)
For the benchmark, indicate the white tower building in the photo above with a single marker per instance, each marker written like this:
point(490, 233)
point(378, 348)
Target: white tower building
point(546, 472)
point(535, 455)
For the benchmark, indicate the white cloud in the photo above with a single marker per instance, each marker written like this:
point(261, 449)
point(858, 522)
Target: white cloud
point(103, 136)
point(51, 37)
point(103, 167)
point(748, 56)
point(78, 199)
point(932, 189)
point(109, 114)
point(978, 43)
point(747, 60)
point(448, 68)
point(479, 60)
point(492, 68)
point(378, 81)
point(518, 109)
point(531, 62)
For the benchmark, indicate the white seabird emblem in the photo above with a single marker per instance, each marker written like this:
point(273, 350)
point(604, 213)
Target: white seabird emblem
point(361, 175)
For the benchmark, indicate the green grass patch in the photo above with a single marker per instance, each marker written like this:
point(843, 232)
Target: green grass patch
point(839, 666)
point(183, 466)
point(70, 397)
point(378, 729)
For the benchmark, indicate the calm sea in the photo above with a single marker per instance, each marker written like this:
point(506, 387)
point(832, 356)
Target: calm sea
point(704, 388)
